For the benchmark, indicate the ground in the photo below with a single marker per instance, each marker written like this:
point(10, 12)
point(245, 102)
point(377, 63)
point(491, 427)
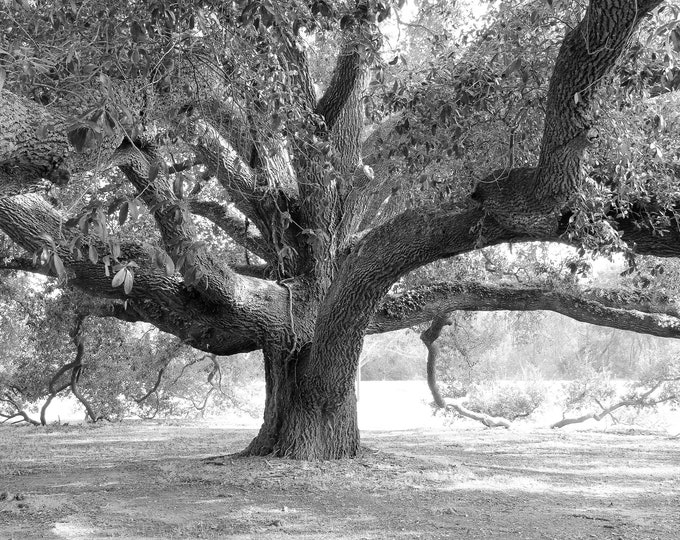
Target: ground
point(151, 480)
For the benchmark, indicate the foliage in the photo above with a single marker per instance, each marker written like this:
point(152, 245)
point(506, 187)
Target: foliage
point(507, 400)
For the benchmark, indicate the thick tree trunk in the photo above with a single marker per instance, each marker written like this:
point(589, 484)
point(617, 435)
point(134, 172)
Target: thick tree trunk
point(298, 426)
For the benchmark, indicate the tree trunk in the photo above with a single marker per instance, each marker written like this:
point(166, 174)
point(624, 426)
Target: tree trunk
point(300, 427)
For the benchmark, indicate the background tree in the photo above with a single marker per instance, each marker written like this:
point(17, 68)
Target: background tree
point(57, 345)
point(175, 96)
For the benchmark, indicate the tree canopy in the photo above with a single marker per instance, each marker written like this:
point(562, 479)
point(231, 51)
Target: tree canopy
point(259, 175)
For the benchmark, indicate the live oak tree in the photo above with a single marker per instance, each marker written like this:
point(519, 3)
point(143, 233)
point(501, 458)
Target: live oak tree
point(212, 110)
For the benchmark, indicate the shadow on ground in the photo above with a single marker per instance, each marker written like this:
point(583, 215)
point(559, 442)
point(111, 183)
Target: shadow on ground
point(148, 480)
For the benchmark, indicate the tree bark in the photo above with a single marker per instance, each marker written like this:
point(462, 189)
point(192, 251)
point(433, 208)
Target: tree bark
point(298, 426)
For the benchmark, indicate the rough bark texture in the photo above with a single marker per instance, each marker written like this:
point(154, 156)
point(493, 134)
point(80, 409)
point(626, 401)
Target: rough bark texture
point(428, 337)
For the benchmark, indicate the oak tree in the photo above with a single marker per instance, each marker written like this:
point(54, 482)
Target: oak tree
point(201, 182)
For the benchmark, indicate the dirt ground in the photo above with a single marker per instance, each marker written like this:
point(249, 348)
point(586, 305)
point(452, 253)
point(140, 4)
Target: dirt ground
point(148, 480)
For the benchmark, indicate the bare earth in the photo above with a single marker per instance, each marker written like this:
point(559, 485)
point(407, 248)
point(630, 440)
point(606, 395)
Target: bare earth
point(148, 480)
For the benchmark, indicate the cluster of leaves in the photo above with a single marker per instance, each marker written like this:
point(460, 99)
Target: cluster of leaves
point(507, 400)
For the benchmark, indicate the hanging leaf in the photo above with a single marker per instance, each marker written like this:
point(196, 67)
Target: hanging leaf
point(92, 254)
point(84, 224)
point(119, 278)
point(58, 265)
point(115, 248)
point(44, 256)
point(153, 172)
point(107, 265)
point(133, 207)
point(129, 280)
point(169, 265)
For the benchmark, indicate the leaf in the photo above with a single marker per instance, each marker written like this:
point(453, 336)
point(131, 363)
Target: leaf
point(190, 276)
point(123, 213)
point(81, 138)
point(3, 77)
point(181, 262)
point(58, 265)
point(107, 265)
point(134, 208)
point(137, 32)
point(129, 280)
point(119, 278)
point(577, 98)
point(115, 248)
point(92, 254)
point(169, 265)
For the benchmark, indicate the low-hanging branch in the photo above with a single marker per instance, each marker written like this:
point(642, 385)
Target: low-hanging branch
point(637, 401)
point(429, 337)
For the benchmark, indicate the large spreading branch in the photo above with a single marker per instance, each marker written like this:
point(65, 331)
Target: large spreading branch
point(160, 299)
point(530, 200)
point(593, 306)
point(348, 71)
point(216, 283)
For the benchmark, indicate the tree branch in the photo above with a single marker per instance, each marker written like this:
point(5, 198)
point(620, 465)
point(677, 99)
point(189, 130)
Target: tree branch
point(347, 72)
point(425, 303)
point(428, 337)
point(640, 401)
point(157, 298)
point(587, 55)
